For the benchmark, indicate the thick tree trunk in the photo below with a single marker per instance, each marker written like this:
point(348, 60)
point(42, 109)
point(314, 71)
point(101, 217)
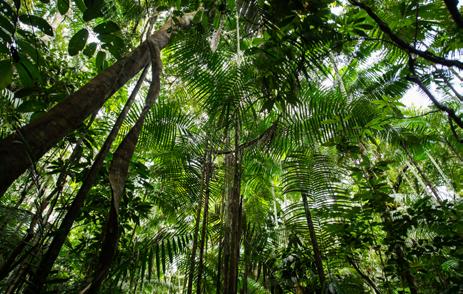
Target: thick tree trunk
point(73, 211)
point(313, 240)
point(118, 173)
point(21, 149)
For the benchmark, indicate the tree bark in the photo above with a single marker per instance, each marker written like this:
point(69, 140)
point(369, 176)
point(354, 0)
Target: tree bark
point(234, 220)
point(21, 149)
point(208, 174)
point(313, 240)
point(191, 269)
point(73, 211)
point(452, 6)
point(118, 173)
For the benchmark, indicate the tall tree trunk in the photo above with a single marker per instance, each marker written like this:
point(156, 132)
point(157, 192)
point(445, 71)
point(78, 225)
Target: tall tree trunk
point(247, 235)
point(219, 270)
point(404, 269)
point(208, 174)
point(73, 211)
point(234, 220)
point(21, 149)
point(227, 220)
point(191, 269)
point(118, 173)
point(313, 240)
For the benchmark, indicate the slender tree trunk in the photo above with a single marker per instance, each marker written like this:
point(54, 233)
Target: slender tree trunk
point(219, 270)
point(10, 264)
point(404, 270)
point(247, 233)
point(313, 239)
point(234, 214)
point(22, 148)
point(227, 219)
point(191, 269)
point(208, 174)
point(363, 275)
point(422, 174)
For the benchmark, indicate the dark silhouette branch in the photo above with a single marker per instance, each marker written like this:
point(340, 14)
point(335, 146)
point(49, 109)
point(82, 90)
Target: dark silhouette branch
point(454, 131)
point(265, 136)
point(401, 43)
point(450, 112)
point(421, 115)
point(414, 78)
point(452, 6)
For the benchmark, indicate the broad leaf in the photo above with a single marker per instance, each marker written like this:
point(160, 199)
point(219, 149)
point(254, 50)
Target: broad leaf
point(94, 9)
point(90, 49)
point(77, 42)
point(101, 60)
point(107, 28)
point(37, 22)
point(6, 73)
point(63, 6)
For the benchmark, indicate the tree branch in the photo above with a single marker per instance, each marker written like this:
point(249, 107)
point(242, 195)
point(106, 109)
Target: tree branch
point(414, 78)
point(401, 43)
point(452, 6)
point(267, 134)
point(450, 112)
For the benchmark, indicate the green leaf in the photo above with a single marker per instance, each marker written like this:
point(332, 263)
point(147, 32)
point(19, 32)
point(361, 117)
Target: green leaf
point(6, 9)
point(6, 73)
point(107, 28)
point(81, 5)
point(24, 77)
point(37, 22)
point(31, 106)
point(28, 72)
point(90, 49)
point(63, 6)
point(113, 44)
point(93, 10)
point(77, 42)
point(100, 60)
point(90, 14)
point(6, 25)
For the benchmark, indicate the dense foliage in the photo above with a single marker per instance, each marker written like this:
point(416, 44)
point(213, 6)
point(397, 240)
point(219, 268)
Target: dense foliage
point(231, 146)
